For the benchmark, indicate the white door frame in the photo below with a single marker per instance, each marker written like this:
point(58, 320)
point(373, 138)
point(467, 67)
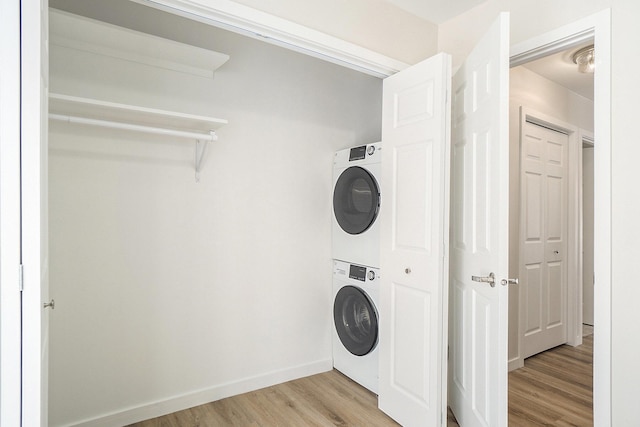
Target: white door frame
point(598, 27)
point(573, 257)
point(584, 137)
point(10, 331)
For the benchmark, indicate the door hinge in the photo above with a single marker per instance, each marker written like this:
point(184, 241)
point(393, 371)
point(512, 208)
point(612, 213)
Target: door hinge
point(21, 278)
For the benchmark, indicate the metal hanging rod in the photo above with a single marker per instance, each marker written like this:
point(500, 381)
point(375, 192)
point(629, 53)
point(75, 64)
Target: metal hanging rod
point(210, 136)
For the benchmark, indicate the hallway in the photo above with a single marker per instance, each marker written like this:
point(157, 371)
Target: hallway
point(554, 388)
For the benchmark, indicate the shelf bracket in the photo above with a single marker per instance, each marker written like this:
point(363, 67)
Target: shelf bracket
point(201, 149)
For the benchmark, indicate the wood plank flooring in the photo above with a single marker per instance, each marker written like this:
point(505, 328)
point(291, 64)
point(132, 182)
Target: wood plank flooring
point(328, 399)
point(553, 389)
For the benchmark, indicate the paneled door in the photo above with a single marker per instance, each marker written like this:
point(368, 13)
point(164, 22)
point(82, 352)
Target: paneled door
point(479, 233)
point(414, 237)
point(543, 245)
point(34, 201)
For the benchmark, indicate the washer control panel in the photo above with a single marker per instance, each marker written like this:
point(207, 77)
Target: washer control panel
point(357, 272)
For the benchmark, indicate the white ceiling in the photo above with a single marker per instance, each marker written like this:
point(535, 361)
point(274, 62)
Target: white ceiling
point(436, 11)
point(558, 67)
point(561, 69)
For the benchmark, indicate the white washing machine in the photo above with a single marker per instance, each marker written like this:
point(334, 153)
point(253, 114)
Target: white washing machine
point(356, 204)
point(355, 319)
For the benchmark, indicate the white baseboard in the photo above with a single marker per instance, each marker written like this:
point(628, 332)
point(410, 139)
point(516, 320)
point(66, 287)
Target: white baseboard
point(156, 409)
point(516, 363)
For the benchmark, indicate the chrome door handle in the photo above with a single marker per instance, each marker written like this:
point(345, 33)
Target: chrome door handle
point(490, 279)
point(51, 304)
point(505, 282)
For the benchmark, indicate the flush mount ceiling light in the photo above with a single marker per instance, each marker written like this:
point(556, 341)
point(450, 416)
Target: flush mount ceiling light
point(585, 58)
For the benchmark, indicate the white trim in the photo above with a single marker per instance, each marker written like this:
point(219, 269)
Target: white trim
point(599, 25)
point(201, 397)
point(241, 19)
point(584, 137)
point(559, 45)
point(10, 214)
point(34, 221)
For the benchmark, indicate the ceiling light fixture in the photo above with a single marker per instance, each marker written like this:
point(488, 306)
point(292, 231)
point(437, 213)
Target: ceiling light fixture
point(585, 58)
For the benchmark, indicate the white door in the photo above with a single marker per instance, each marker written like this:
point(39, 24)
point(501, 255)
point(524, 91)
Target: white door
point(587, 236)
point(33, 141)
point(479, 233)
point(543, 237)
point(414, 236)
point(10, 343)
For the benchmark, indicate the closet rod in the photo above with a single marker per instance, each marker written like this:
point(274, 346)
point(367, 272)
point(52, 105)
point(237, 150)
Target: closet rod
point(211, 136)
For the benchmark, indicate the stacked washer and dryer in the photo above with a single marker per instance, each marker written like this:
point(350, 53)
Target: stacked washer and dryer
point(356, 254)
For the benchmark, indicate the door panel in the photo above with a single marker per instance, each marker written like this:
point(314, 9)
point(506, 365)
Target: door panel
point(10, 331)
point(479, 246)
point(414, 233)
point(34, 130)
point(544, 205)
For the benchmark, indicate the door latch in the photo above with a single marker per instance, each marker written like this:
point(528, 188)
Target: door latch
point(505, 282)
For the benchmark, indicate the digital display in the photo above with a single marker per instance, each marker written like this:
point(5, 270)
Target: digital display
point(357, 272)
point(357, 153)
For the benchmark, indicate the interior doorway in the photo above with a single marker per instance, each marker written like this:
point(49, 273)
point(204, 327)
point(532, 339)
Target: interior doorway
point(568, 39)
point(551, 95)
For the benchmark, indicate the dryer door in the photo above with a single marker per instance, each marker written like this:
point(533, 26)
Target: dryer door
point(356, 200)
point(356, 320)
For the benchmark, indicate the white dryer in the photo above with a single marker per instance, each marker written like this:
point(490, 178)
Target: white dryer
point(356, 204)
point(355, 315)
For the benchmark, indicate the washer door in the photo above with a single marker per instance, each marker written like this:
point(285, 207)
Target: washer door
point(356, 320)
point(356, 200)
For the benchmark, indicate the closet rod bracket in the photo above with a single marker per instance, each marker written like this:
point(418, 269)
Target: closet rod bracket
point(201, 148)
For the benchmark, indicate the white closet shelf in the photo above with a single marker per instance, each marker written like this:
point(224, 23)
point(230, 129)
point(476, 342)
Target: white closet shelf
point(88, 35)
point(107, 114)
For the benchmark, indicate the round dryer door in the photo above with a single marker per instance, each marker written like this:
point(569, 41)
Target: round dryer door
point(356, 320)
point(356, 200)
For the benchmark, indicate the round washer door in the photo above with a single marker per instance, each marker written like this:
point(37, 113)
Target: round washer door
point(356, 320)
point(356, 200)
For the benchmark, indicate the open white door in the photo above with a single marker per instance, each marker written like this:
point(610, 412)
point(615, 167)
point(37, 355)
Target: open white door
point(479, 233)
point(414, 237)
point(10, 331)
point(33, 142)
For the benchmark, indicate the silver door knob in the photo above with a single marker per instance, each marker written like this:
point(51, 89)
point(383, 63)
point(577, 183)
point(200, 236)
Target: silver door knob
point(505, 282)
point(490, 279)
point(51, 304)
point(407, 270)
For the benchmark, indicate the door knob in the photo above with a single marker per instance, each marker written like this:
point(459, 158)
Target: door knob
point(51, 304)
point(407, 270)
point(490, 279)
point(505, 282)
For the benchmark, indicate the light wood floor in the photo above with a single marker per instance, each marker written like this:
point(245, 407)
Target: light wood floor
point(328, 399)
point(553, 389)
